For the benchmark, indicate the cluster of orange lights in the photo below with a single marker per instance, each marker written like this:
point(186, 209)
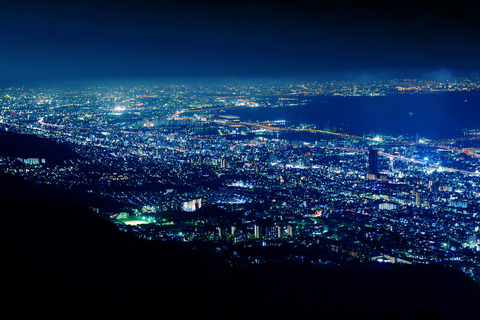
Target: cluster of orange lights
point(407, 88)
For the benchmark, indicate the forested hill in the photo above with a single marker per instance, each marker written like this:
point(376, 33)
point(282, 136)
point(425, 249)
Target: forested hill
point(30, 146)
point(62, 260)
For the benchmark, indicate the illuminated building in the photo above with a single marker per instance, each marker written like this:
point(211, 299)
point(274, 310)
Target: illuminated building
point(192, 205)
point(290, 231)
point(372, 163)
point(387, 206)
point(418, 199)
point(257, 231)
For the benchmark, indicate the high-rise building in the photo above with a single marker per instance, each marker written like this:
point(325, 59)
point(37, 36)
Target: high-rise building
point(290, 230)
point(418, 198)
point(372, 161)
point(430, 184)
point(306, 159)
point(372, 164)
point(387, 206)
point(192, 205)
point(257, 231)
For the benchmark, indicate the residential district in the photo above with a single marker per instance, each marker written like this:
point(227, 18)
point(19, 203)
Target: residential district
point(181, 169)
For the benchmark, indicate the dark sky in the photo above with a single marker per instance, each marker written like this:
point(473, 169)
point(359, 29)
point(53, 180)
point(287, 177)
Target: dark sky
point(89, 39)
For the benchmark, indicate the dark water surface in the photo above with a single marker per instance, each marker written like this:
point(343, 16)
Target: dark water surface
point(434, 115)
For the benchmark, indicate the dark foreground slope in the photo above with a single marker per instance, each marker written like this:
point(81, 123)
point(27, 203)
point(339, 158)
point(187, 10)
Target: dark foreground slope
point(62, 260)
point(30, 146)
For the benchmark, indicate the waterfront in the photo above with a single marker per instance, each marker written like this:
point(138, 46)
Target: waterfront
point(432, 115)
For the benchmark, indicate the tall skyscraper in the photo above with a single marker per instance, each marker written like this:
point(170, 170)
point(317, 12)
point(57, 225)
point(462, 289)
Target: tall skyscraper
point(257, 231)
point(418, 199)
point(372, 162)
point(290, 230)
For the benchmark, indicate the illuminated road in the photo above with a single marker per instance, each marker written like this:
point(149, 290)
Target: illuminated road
point(275, 128)
point(392, 156)
point(334, 133)
point(399, 157)
point(266, 127)
point(178, 113)
point(49, 124)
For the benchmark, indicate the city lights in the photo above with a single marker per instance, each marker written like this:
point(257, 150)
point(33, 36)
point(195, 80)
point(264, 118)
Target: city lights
point(190, 164)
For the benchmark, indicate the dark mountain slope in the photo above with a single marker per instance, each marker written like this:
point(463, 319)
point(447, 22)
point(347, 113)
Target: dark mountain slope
point(30, 146)
point(62, 260)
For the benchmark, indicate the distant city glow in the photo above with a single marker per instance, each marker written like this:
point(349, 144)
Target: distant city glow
point(197, 164)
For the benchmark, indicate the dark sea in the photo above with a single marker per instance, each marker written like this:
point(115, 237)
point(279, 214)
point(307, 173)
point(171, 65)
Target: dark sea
point(432, 115)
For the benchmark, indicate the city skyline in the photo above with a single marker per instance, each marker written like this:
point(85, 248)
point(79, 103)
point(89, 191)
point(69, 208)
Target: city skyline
point(215, 165)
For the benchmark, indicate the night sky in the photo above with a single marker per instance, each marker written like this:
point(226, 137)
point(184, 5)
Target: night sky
point(89, 39)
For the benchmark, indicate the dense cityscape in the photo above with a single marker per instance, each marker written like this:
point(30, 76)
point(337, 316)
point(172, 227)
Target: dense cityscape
point(179, 167)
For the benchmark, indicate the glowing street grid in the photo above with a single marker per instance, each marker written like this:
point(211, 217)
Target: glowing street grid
point(181, 168)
